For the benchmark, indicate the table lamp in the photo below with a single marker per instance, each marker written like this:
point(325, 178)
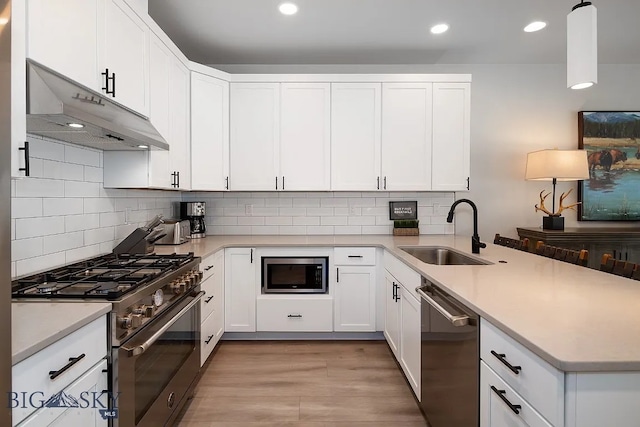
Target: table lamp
point(556, 165)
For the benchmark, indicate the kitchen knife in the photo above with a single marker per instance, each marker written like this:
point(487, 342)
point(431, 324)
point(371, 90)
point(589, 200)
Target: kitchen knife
point(156, 221)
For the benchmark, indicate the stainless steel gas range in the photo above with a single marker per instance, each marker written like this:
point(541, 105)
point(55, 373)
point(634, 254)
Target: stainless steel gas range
point(154, 327)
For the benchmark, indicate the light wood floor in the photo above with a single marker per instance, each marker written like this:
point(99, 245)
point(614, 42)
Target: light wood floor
point(302, 384)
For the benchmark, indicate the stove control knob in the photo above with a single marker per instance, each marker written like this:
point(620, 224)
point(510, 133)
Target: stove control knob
point(125, 322)
point(136, 320)
point(149, 310)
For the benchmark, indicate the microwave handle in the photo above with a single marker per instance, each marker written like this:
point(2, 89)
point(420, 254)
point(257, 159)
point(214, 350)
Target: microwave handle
point(139, 349)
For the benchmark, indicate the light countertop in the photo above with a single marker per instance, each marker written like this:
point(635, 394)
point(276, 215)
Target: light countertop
point(35, 325)
point(576, 318)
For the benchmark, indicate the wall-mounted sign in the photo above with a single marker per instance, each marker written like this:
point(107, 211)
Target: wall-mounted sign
point(403, 210)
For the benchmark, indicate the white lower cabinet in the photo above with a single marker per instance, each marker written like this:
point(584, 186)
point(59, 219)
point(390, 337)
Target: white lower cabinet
point(212, 304)
point(355, 290)
point(295, 314)
point(410, 339)
point(91, 384)
point(240, 290)
point(392, 315)
point(501, 406)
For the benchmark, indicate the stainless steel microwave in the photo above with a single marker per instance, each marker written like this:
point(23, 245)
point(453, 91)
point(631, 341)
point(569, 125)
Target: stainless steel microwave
point(294, 275)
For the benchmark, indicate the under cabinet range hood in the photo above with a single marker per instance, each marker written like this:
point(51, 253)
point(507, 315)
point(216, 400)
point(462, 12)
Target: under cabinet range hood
point(62, 109)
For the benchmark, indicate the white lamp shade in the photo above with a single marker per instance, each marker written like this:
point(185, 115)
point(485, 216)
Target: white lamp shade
point(564, 165)
point(582, 47)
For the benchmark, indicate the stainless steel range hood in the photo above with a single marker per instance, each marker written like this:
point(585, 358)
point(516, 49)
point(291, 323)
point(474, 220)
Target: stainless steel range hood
point(54, 102)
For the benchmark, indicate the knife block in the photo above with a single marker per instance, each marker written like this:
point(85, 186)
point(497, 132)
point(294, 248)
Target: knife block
point(135, 243)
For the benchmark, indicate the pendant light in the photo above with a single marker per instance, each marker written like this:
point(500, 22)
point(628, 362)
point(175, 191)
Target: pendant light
point(582, 46)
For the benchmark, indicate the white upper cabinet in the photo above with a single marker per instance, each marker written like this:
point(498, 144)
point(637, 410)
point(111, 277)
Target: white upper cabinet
point(63, 35)
point(19, 156)
point(255, 136)
point(356, 124)
point(179, 125)
point(125, 56)
point(101, 44)
point(209, 133)
point(305, 118)
point(451, 140)
point(407, 110)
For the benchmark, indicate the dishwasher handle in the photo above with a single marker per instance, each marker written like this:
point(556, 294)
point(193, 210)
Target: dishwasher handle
point(456, 320)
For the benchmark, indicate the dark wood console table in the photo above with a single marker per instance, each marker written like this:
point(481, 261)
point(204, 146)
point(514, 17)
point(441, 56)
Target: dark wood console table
point(622, 243)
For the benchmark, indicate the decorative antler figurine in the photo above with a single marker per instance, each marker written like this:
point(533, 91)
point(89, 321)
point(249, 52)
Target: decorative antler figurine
point(562, 208)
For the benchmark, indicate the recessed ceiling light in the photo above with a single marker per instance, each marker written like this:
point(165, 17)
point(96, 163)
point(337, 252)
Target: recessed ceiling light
point(4, 21)
point(582, 85)
point(535, 26)
point(288, 9)
point(143, 146)
point(439, 29)
point(75, 125)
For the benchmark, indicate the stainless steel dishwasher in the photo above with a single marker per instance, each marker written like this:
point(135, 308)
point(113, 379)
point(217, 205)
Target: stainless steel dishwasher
point(450, 360)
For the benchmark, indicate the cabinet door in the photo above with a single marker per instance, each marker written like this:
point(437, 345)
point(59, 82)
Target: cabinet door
point(18, 88)
point(240, 290)
point(255, 136)
point(63, 35)
point(125, 52)
point(305, 129)
point(355, 299)
point(91, 384)
point(451, 128)
point(209, 133)
point(392, 317)
point(218, 293)
point(356, 123)
point(410, 339)
point(406, 136)
point(179, 141)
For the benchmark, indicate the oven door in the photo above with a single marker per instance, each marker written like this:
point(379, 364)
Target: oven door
point(294, 275)
point(154, 370)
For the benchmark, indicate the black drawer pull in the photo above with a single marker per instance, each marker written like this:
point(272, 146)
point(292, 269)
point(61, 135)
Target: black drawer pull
point(209, 267)
point(295, 316)
point(72, 361)
point(208, 340)
point(25, 169)
point(501, 395)
point(354, 256)
point(208, 299)
point(501, 357)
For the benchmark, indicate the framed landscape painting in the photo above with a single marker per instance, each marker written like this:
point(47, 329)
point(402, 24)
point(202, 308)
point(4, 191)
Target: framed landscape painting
point(612, 141)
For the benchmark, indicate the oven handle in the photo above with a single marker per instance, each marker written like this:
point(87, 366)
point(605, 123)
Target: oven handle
point(456, 320)
point(139, 349)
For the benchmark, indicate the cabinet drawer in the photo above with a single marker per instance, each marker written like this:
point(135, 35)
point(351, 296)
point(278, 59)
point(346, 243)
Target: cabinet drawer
point(207, 266)
point(208, 339)
point(494, 411)
point(208, 301)
point(295, 314)
point(536, 381)
point(407, 277)
point(32, 374)
point(354, 256)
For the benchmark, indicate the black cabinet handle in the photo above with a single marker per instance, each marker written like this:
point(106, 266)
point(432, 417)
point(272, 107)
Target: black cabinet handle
point(108, 79)
point(113, 85)
point(227, 183)
point(354, 256)
point(501, 395)
point(468, 183)
point(385, 182)
point(295, 316)
point(501, 357)
point(25, 169)
point(251, 256)
point(337, 274)
point(393, 292)
point(208, 299)
point(208, 340)
point(208, 267)
point(276, 182)
point(178, 177)
point(378, 185)
point(283, 182)
point(72, 361)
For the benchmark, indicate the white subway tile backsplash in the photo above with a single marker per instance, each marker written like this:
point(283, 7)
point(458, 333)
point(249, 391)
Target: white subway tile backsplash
point(347, 229)
point(26, 248)
point(82, 156)
point(377, 229)
point(81, 189)
point(306, 203)
point(278, 203)
point(97, 205)
point(362, 220)
point(107, 247)
point(43, 226)
point(54, 207)
point(265, 211)
point(93, 174)
point(238, 230)
point(63, 242)
point(36, 168)
point(48, 150)
point(123, 231)
point(99, 235)
point(306, 220)
point(124, 203)
point(84, 252)
point(13, 229)
point(292, 211)
point(334, 203)
point(81, 222)
point(362, 203)
point(26, 208)
point(320, 211)
point(61, 170)
point(39, 263)
point(322, 229)
point(292, 230)
point(233, 211)
point(13, 269)
point(111, 219)
point(37, 187)
point(264, 229)
point(250, 220)
point(333, 220)
point(223, 220)
point(278, 220)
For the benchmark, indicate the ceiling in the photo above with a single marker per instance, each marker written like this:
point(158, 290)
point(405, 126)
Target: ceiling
point(390, 31)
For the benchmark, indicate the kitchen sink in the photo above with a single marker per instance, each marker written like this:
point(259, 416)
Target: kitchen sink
point(439, 255)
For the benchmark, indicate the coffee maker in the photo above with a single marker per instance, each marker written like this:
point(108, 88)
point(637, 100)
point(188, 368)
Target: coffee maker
point(194, 212)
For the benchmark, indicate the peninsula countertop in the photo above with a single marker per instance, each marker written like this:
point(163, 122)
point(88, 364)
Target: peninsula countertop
point(37, 324)
point(577, 319)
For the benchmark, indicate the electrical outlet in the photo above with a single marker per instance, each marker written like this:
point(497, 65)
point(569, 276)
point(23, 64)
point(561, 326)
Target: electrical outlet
point(248, 210)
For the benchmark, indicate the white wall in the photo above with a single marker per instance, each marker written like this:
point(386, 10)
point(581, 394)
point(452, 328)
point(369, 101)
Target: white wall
point(317, 212)
point(62, 214)
point(515, 109)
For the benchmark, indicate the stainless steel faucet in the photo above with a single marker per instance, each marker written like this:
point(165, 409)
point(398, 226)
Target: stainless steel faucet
point(476, 244)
